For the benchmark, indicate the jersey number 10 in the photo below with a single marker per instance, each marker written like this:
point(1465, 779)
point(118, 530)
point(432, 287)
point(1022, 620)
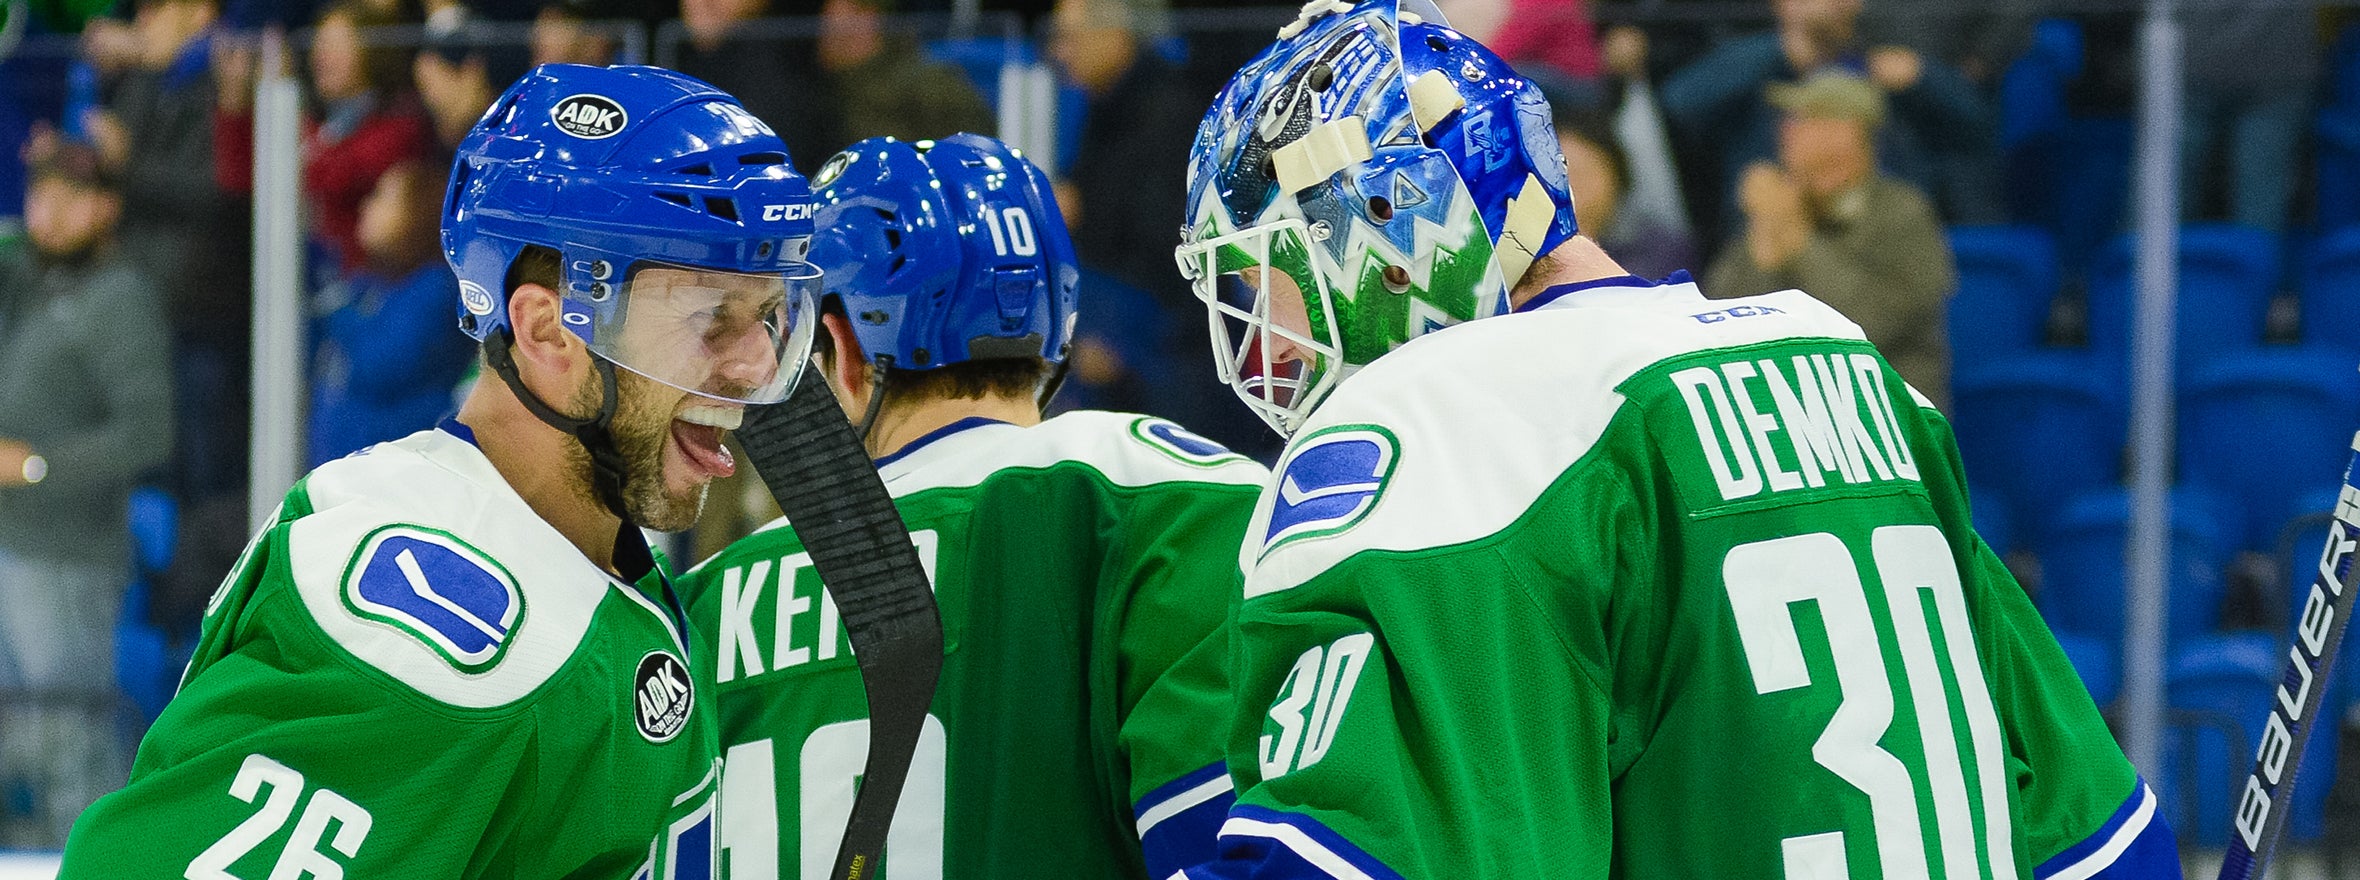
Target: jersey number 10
point(1914, 566)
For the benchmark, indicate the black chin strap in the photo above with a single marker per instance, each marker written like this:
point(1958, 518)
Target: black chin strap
point(606, 461)
point(868, 420)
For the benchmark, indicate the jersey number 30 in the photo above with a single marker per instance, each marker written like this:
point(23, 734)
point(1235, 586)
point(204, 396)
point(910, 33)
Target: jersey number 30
point(1920, 585)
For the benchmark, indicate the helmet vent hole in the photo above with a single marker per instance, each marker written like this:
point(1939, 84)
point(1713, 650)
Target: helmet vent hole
point(680, 199)
point(1269, 168)
point(898, 262)
point(1322, 76)
point(762, 251)
point(700, 169)
point(893, 239)
point(1380, 208)
point(1396, 279)
point(1435, 43)
point(722, 208)
point(763, 159)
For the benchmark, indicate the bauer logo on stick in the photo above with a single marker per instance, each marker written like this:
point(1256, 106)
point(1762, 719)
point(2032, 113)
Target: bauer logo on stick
point(589, 117)
point(663, 696)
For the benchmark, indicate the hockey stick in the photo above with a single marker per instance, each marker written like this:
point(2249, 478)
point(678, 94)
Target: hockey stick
point(813, 462)
point(2262, 808)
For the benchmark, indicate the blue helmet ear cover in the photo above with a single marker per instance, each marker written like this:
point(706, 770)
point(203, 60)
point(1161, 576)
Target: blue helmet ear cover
point(946, 251)
point(613, 166)
point(1503, 133)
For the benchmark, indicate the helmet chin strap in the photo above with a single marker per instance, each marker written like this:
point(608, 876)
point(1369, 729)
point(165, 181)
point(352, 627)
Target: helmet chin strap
point(868, 420)
point(606, 461)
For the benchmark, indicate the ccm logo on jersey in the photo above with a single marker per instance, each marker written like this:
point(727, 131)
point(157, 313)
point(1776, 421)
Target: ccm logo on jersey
point(589, 117)
point(663, 695)
point(1332, 480)
point(438, 589)
point(1738, 312)
point(776, 213)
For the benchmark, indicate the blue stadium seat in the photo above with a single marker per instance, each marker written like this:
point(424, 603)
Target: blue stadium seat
point(2082, 576)
point(2098, 664)
point(1994, 522)
point(2073, 180)
point(2331, 284)
point(2267, 428)
point(2227, 276)
point(2037, 429)
point(2007, 277)
point(981, 59)
point(2221, 689)
point(147, 660)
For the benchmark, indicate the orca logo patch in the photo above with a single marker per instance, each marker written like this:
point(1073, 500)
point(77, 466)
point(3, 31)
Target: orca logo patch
point(439, 590)
point(1329, 482)
point(662, 696)
point(589, 117)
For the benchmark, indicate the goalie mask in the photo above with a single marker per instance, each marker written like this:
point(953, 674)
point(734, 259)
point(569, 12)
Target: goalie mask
point(1371, 178)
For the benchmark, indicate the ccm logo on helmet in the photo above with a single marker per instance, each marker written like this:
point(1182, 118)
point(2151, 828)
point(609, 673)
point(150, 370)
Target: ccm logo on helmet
point(589, 117)
point(776, 213)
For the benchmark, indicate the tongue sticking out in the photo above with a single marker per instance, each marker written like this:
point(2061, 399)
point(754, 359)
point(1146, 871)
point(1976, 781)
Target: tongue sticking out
point(701, 444)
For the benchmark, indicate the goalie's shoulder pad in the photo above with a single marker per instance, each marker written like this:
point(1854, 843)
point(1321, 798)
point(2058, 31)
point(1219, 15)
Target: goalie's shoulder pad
point(419, 561)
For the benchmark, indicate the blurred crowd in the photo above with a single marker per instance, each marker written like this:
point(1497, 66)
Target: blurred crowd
point(1822, 144)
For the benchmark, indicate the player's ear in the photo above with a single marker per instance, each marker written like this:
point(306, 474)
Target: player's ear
point(537, 317)
point(844, 363)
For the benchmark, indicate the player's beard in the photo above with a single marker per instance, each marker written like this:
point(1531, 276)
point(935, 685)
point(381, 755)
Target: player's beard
point(641, 428)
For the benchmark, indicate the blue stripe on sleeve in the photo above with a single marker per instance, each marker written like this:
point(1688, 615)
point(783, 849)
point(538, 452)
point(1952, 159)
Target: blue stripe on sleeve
point(1179, 822)
point(2134, 844)
point(1264, 844)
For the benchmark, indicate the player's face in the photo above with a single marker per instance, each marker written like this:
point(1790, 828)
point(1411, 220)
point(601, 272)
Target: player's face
point(728, 336)
point(1274, 329)
point(1288, 357)
point(670, 441)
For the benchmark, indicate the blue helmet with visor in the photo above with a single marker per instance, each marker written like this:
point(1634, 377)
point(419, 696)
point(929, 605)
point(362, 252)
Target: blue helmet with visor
point(681, 229)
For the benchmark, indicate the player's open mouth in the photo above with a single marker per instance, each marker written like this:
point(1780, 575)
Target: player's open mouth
point(698, 434)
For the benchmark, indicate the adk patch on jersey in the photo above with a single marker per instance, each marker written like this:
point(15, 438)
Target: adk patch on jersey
point(589, 117)
point(439, 589)
point(663, 695)
point(1331, 481)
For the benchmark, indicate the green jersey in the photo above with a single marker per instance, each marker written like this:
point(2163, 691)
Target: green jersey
point(1084, 568)
point(411, 675)
point(1641, 585)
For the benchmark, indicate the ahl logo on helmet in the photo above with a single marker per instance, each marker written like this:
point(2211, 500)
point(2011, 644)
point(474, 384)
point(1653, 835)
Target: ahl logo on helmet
point(662, 696)
point(589, 117)
point(477, 300)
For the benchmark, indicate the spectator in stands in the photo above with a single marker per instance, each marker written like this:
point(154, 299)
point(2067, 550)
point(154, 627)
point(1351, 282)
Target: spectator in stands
point(453, 86)
point(1601, 174)
point(85, 410)
point(779, 81)
point(562, 34)
point(1943, 139)
point(1558, 36)
point(1119, 194)
point(2251, 74)
point(180, 228)
point(388, 356)
point(368, 120)
point(1823, 219)
point(886, 85)
point(1979, 38)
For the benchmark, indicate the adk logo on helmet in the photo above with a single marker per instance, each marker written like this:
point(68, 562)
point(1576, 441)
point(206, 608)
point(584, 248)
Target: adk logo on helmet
point(589, 117)
point(477, 300)
point(663, 695)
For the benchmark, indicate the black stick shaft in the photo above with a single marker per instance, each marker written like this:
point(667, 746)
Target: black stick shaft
point(814, 464)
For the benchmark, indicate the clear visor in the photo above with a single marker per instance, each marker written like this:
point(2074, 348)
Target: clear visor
point(1273, 323)
point(731, 336)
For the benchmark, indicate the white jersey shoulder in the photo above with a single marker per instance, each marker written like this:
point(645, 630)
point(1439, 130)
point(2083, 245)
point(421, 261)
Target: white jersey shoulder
point(1127, 449)
point(1453, 436)
point(419, 560)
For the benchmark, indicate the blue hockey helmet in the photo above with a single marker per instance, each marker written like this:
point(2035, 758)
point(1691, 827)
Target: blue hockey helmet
point(1370, 178)
point(681, 227)
point(945, 251)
